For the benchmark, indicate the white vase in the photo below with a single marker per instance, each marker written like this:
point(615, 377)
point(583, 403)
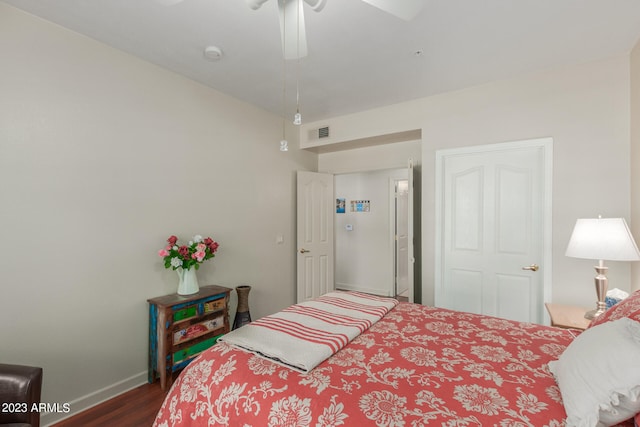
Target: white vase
point(188, 284)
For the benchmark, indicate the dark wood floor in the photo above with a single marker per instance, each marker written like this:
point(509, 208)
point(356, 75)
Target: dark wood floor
point(135, 408)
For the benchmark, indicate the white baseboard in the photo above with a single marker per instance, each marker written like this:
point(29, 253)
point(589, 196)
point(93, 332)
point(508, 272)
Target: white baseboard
point(363, 289)
point(92, 399)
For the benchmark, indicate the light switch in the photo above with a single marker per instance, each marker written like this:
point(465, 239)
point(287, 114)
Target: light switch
point(279, 239)
point(348, 227)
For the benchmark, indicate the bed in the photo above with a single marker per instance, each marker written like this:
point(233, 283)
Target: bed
point(415, 366)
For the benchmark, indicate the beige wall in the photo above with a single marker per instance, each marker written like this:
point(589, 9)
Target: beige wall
point(387, 156)
point(102, 157)
point(584, 108)
point(635, 157)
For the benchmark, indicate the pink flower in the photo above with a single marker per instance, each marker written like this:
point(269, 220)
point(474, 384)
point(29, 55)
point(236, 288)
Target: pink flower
point(163, 253)
point(200, 247)
point(199, 255)
point(172, 240)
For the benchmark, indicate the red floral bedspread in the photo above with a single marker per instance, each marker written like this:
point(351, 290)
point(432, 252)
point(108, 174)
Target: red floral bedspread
point(417, 366)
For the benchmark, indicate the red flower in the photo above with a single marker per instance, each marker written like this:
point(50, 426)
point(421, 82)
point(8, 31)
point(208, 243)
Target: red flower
point(213, 246)
point(184, 251)
point(172, 240)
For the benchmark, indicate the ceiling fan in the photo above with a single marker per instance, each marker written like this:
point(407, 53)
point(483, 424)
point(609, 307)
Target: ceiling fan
point(292, 29)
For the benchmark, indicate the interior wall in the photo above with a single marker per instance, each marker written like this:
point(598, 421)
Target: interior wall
point(635, 158)
point(584, 108)
point(102, 157)
point(364, 251)
point(386, 156)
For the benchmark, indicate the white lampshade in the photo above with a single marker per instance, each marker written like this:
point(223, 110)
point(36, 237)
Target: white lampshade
point(603, 239)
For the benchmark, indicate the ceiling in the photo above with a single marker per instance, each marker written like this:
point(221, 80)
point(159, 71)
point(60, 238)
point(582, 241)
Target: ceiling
point(359, 57)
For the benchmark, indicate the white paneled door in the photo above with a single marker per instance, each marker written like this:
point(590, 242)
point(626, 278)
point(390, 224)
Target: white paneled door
point(493, 229)
point(315, 212)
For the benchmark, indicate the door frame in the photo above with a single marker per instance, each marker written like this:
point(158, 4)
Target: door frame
point(546, 145)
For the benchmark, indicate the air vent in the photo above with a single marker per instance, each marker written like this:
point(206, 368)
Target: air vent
point(316, 134)
point(323, 132)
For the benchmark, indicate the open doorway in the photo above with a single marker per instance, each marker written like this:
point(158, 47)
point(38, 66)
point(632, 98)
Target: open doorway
point(385, 152)
point(373, 233)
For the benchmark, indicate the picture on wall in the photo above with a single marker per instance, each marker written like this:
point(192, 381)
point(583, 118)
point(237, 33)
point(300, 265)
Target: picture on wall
point(340, 205)
point(360, 206)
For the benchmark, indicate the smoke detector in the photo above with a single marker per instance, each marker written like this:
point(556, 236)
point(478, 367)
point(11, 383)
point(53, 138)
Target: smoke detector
point(212, 53)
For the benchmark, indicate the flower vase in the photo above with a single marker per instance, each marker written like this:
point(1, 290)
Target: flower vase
point(242, 313)
point(188, 284)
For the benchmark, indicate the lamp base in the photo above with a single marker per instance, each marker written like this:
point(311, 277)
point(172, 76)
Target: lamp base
point(602, 285)
point(592, 314)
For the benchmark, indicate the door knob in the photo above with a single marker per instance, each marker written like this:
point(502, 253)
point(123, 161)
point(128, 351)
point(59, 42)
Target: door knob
point(304, 251)
point(532, 267)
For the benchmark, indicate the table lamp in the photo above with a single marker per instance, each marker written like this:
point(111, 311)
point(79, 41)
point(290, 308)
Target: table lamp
point(602, 239)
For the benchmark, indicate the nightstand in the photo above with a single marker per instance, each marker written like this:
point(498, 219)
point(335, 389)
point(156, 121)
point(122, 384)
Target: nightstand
point(568, 316)
point(181, 327)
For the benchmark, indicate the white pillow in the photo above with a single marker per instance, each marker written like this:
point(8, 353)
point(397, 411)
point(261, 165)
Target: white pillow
point(599, 374)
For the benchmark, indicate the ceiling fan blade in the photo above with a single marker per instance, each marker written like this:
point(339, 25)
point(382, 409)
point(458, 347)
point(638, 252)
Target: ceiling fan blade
point(316, 5)
point(255, 4)
point(403, 9)
point(292, 30)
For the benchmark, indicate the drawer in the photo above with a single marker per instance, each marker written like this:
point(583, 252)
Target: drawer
point(193, 350)
point(214, 305)
point(185, 313)
point(198, 329)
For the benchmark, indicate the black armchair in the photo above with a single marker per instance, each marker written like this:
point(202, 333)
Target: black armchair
point(20, 389)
